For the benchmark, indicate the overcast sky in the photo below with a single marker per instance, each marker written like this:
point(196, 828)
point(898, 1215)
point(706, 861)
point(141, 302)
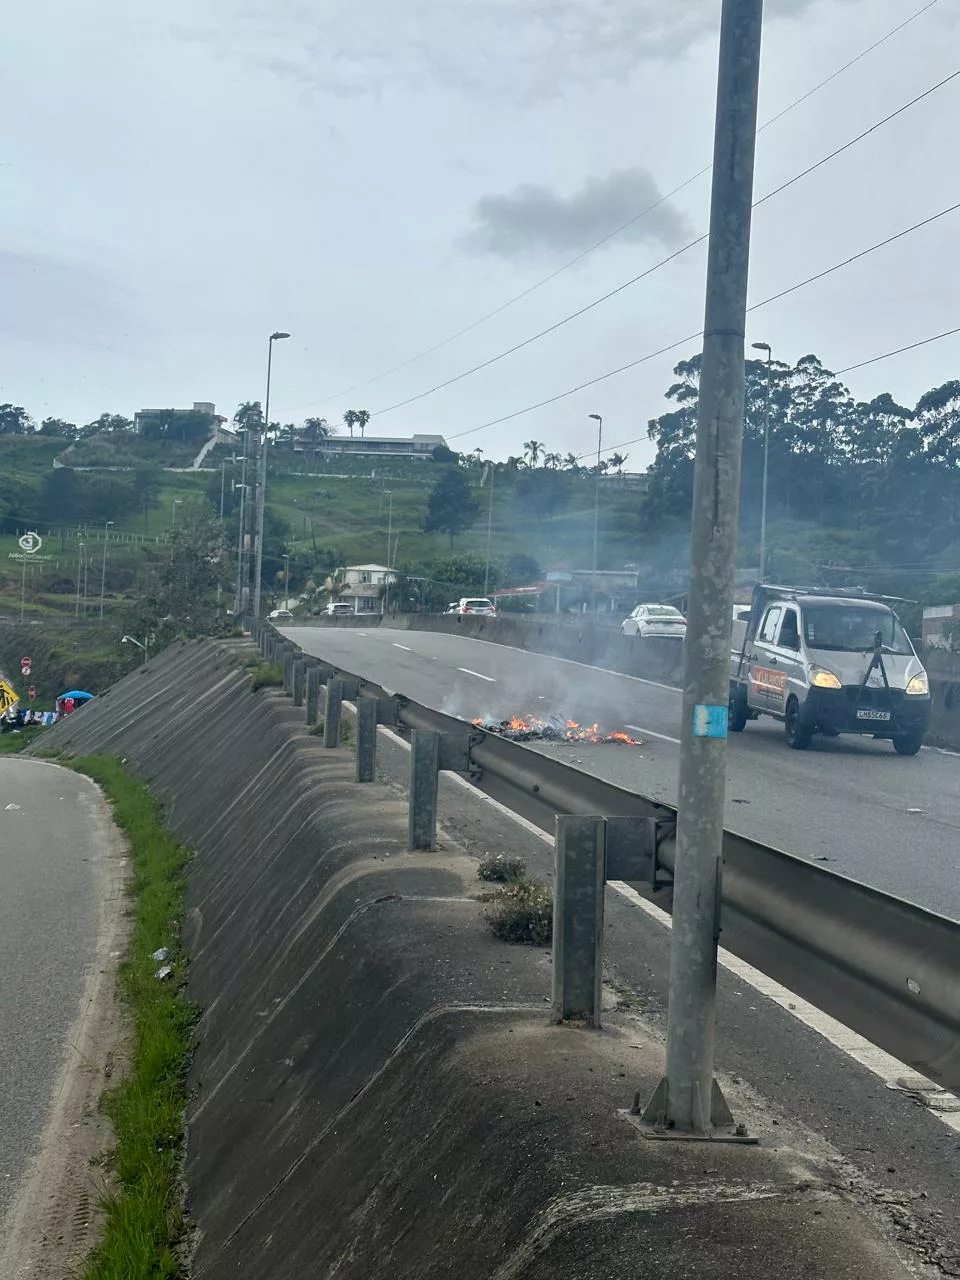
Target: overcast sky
point(178, 180)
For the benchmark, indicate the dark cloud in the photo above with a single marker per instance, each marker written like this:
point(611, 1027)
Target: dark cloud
point(533, 220)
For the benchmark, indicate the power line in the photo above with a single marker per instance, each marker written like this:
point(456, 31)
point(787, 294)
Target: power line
point(633, 364)
point(598, 244)
point(887, 355)
point(626, 284)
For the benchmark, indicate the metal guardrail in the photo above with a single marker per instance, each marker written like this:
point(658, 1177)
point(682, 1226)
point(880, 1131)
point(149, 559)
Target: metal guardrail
point(883, 967)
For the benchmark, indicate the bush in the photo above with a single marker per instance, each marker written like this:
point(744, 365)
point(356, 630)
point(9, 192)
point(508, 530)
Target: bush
point(502, 870)
point(522, 912)
point(266, 675)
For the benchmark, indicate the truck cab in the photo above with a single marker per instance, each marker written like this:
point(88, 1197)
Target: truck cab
point(827, 663)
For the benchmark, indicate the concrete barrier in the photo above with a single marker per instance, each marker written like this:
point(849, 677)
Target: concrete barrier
point(377, 1090)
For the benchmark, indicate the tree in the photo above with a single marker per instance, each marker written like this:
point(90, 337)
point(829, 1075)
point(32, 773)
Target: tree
point(181, 426)
point(617, 460)
point(57, 428)
point(552, 461)
point(356, 418)
point(316, 429)
point(440, 453)
point(363, 417)
point(14, 420)
point(532, 450)
point(451, 507)
point(571, 462)
point(248, 414)
point(111, 424)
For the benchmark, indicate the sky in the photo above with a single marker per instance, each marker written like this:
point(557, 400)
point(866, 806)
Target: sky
point(180, 180)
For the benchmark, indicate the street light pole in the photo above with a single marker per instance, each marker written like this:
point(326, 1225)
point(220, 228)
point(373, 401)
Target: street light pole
point(103, 569)
point(688, 1098)
point(597, 418)
point(764, 346)
point(486, 572)
point(262, 476)
point(386, 594)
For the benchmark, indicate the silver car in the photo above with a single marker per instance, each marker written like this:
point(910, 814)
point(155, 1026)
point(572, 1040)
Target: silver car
point(828, 664)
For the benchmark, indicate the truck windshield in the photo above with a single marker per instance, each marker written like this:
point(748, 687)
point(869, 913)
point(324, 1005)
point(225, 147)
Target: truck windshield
point(851, 629)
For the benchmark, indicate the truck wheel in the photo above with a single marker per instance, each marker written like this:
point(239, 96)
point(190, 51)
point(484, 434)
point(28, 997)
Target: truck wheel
point(739, 715)
point(907, 744)
point(797, 733)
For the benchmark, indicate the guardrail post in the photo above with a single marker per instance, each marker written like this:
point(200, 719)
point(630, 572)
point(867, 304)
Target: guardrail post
point(331, 713)
point(424, 778)
point(578, 881)
point(313, 695)
point(366, 739)
point(287, 671)
point(299, 672)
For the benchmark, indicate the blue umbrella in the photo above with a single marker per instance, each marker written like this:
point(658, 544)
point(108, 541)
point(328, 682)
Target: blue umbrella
point(77, 695)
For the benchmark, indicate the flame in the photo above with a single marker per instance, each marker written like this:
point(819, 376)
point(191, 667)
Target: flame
point(552, 729)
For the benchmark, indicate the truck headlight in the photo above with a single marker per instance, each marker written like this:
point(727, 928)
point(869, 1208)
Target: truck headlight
point(919, 684)
point(824, 679)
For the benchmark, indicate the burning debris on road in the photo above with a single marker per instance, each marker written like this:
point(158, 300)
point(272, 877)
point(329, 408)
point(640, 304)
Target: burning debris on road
point(552, 729)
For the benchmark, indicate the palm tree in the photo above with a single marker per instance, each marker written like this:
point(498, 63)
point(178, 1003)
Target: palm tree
point(532, 450)
point(350, 420)
point(552, 460)
point(362, 417)
point(250, 409)
point(617, 460)
point(335, 584)
point(315, 429)
point(571, 462)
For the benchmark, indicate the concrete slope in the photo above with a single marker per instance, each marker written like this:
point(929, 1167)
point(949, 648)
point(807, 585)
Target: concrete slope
point(377, 1090)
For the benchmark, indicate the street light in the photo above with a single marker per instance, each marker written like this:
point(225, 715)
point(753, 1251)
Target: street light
point(278, 336)
point(145, 647)
point(764, 346)
point(598, 419)
point(103, 570)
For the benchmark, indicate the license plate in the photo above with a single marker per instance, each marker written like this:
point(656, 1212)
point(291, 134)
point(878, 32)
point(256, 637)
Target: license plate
point(868, 713)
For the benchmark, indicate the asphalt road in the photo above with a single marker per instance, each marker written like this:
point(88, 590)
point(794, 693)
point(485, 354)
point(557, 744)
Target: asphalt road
point(851, 803)
point(50, 849)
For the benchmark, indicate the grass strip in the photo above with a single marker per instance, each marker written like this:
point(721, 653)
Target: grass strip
point(144, 1218)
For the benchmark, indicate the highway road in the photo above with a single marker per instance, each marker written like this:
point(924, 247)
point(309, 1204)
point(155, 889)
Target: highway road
point(51, 879)
point(850, 803)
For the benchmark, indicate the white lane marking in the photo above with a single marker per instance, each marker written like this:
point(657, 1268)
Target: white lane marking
point(402, 646)
point(467, 672)
point(877, 1061)
point(652, 733)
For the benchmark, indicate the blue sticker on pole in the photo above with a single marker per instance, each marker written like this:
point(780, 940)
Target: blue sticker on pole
point(710, 722)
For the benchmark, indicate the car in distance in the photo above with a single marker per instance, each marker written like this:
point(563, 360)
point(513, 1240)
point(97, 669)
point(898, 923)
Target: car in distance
point(339, 609)
point(280, 615)
point(654, 620)
point(477, 605)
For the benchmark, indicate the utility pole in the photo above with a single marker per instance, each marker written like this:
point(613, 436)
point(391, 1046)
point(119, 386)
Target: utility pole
point(765, 346)
point(688, 1099)
point(76, 610)
point(103, 567)
point(242, 538)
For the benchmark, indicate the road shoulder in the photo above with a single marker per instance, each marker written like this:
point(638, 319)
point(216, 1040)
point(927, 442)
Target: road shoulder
point(52, 1223)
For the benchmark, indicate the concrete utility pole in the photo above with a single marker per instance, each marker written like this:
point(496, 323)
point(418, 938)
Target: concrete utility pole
point(262, 477)
point(103, 569)
point(687, 1099)
point(488, 474)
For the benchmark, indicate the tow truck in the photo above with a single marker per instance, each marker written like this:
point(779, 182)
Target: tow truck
point(827, 662)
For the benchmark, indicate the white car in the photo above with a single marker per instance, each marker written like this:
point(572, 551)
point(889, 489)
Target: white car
point(654, 620)
point(339, 609)
point(280, 615)
point(477, 605)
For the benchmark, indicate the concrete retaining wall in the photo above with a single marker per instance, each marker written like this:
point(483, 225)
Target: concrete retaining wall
point(377, 1091)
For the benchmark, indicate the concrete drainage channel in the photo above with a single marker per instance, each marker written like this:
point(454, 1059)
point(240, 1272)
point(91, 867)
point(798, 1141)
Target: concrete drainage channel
point(378, 1088)
point(885, 968)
